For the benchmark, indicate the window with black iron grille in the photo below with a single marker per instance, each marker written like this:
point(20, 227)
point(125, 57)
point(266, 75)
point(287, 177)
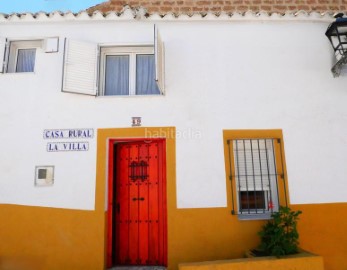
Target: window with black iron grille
point(255, 176)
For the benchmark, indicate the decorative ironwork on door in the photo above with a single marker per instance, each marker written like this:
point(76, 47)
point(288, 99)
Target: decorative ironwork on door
point(138, 170)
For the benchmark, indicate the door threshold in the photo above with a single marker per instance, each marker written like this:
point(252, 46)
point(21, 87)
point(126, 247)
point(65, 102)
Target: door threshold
point(137, 268)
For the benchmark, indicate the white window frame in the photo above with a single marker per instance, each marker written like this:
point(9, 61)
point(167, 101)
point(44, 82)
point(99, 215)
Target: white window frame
point(132, 52)
point(12, 52)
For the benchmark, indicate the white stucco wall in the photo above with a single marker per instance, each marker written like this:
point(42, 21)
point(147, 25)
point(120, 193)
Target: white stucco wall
point(219, 75)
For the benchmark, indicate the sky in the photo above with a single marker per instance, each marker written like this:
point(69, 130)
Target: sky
point(33, 6)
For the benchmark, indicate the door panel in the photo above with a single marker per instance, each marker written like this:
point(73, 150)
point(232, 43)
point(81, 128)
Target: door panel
point(133, 204)
point(143, 205)
point(153, 204)
point(122, 196)
point(162, 205)
point(140, 208)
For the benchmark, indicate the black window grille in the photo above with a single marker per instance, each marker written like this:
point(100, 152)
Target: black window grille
point(255, 175)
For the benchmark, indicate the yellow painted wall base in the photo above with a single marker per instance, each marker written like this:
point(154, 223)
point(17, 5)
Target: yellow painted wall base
point(301, 261)
point(214, 234)
point(39, 238)
point(322, 229)
point(34, 238)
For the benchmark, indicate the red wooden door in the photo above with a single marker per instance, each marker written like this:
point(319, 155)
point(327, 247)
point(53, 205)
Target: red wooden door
point(139, 204)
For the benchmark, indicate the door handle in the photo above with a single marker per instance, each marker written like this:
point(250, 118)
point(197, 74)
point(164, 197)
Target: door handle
point(139, 199)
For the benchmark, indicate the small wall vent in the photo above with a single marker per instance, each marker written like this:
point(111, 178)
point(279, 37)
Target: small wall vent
point(44, 175)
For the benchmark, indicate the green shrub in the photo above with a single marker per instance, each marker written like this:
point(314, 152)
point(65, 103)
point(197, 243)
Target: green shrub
point(279, 236)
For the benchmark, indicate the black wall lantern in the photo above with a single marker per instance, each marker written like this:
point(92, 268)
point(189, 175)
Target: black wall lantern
point(337, 34)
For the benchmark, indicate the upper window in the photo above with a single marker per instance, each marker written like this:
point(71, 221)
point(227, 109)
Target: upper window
point(18, 56)
point(256, 169)
point(22, 55)
point(127, 71)
point(111, 70)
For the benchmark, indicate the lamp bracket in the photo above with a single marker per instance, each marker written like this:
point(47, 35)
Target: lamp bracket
point(336, 69)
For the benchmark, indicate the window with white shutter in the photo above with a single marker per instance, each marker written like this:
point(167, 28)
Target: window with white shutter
point(257, 175)
point(19, 55)
point(113, 70)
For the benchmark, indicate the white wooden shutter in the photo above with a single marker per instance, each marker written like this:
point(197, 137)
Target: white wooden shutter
point(159, 61)
point(80, 68)
point(254, 162)
point(2, 54)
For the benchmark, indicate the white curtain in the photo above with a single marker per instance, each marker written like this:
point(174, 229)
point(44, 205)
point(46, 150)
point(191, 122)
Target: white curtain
point(26, 60)
point(145, 75)
point(117, 75)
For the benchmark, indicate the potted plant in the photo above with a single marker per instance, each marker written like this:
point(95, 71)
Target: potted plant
point(279, 236)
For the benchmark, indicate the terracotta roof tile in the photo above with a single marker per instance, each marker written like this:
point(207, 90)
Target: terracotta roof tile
point(230, 6)
point(127, 14)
